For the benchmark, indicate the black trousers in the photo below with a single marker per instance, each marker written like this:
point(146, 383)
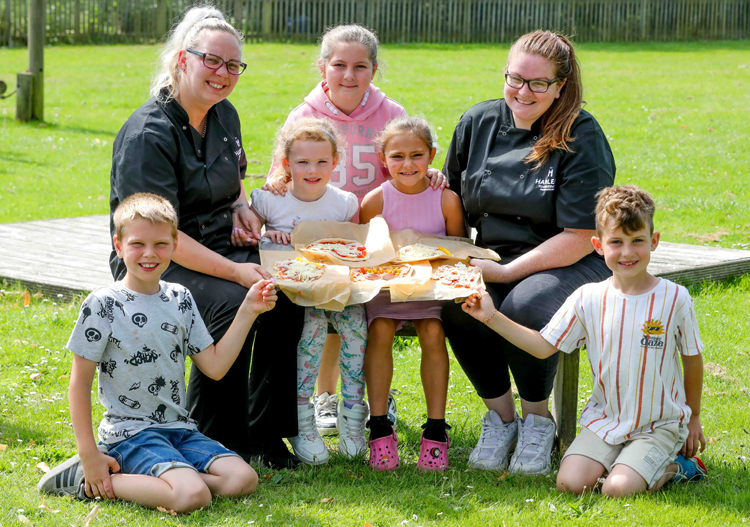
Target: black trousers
point(234, 410)
point(486, 357)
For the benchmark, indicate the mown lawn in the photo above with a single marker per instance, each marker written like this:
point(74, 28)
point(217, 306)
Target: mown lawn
point(34, 428)
point(676, 117)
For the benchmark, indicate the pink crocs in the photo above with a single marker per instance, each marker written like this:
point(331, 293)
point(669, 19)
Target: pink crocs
point(383, 453)
point(433, 455)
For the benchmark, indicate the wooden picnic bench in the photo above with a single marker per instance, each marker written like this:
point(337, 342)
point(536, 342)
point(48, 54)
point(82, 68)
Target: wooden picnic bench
point(66, 257)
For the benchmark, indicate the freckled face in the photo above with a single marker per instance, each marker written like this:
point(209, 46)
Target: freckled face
point(204, 86)
point(528, 106)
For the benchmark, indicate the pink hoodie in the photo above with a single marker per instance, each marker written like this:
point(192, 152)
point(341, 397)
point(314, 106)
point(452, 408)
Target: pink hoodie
point(362, 171)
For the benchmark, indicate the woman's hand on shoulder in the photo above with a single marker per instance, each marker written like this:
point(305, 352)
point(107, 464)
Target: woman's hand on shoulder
point(247, 274)
point(437, 178)
point(491, 271)
point(276, 185)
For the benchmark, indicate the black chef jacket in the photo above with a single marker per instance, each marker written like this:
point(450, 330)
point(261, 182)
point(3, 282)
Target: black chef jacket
point(158, 151)
point(513, 207)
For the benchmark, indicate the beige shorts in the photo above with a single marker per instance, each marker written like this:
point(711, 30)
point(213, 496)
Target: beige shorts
point(648, 454)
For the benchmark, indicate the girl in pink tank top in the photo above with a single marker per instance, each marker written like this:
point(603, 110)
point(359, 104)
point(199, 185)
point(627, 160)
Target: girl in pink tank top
point(408, 202)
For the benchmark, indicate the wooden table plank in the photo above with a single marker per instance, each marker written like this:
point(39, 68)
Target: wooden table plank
point(70, 255)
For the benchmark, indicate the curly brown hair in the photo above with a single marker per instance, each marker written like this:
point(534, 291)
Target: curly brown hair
point(630, 208)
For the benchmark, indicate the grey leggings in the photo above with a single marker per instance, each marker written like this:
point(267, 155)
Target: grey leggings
point(486, 357)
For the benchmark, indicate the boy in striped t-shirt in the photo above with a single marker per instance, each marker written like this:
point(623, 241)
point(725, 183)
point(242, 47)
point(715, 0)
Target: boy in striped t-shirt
point(642, 412)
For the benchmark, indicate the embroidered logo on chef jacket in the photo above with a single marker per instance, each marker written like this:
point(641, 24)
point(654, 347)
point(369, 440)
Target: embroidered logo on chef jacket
point(238, 152)
point(547, 183)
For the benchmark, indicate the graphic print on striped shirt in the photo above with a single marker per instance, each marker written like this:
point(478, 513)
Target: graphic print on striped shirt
point(633, 343)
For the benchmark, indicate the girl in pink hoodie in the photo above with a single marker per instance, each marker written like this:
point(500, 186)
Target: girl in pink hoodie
point(359, 110)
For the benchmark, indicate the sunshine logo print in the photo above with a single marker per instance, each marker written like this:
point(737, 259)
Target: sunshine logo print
point(652, 334)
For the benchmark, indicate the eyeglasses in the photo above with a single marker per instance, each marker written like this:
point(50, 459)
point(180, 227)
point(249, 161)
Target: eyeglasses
point(537, 86)
point(214, 62)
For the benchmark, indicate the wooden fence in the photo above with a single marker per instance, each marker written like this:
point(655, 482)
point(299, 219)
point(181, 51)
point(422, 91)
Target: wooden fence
point(394, 20)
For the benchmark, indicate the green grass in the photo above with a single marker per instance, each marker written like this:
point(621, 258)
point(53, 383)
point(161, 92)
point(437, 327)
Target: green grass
point(34, 424)
point(675, 114)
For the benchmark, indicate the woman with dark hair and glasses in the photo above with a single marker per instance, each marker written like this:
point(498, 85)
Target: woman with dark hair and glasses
point(527, 168)
point(185, 145)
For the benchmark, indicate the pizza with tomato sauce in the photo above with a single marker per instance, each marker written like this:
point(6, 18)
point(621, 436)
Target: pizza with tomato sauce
point(386, 272)
point(458, 276)
point(349, 250)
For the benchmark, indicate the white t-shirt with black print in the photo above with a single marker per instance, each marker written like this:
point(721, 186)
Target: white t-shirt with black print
point(140, 342)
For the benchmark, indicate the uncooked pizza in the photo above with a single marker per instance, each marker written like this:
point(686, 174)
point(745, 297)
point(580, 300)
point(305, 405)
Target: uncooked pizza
point(386, 272)
point(298, 270)
point(349, 250)
point(458, 276)
point(419, 251)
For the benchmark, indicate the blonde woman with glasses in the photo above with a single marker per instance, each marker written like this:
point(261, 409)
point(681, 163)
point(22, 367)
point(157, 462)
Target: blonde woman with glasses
point(185, 145)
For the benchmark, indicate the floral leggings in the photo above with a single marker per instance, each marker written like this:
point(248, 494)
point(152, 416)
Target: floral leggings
point(351, 325)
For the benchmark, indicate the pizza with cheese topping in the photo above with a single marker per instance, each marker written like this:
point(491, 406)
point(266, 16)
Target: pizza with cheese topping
point(419, 251)
point(298, 270)
point(458, 275)
point(386, 272)
point(349, 250)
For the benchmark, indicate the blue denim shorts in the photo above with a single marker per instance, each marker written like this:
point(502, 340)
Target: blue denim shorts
point(155, 450)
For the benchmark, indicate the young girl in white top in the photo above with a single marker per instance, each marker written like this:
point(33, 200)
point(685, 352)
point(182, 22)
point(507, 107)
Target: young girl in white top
point(347, 96)
point(408, 201)
point(307, 152)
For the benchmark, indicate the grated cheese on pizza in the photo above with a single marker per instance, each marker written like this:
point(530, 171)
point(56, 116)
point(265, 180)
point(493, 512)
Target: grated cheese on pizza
point(344, 249)
point(420, 251)
point(458, 275)
point(298, 270)
point(363, 274)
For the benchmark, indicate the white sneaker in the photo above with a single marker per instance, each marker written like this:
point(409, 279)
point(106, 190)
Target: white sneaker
point(326, 413)
point(392, 412)
point(308, 446)
point(351, 426)
point(496, 441)
point(536, 436)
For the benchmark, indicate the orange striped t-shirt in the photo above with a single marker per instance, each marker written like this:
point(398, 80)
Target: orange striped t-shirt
point(632, 343)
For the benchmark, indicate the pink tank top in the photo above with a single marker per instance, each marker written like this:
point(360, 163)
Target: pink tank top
point(422, 212)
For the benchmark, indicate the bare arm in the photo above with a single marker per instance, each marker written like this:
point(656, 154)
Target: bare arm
point(453, 214)
point(693, 369)
point(215, 361)
point(563, 249)
point(96, 465)
point(372, 205)
point(529, 340)
point(245, 222)
point(196, 257)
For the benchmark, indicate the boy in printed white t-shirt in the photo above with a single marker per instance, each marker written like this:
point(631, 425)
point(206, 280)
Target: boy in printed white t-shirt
point(642, 413)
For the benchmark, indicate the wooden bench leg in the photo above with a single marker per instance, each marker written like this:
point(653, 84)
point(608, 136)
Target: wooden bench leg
point(565, 399)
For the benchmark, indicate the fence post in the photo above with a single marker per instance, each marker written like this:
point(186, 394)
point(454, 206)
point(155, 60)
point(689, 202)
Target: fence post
point(161, 19)
point(37, 34)
point(266, 20)
point(24, 88)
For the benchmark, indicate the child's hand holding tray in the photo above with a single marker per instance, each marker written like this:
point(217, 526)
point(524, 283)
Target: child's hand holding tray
point(308, 282)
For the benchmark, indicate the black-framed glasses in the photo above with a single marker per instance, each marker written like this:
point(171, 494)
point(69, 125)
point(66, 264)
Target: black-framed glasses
point(536, 85)
point(214, 62)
